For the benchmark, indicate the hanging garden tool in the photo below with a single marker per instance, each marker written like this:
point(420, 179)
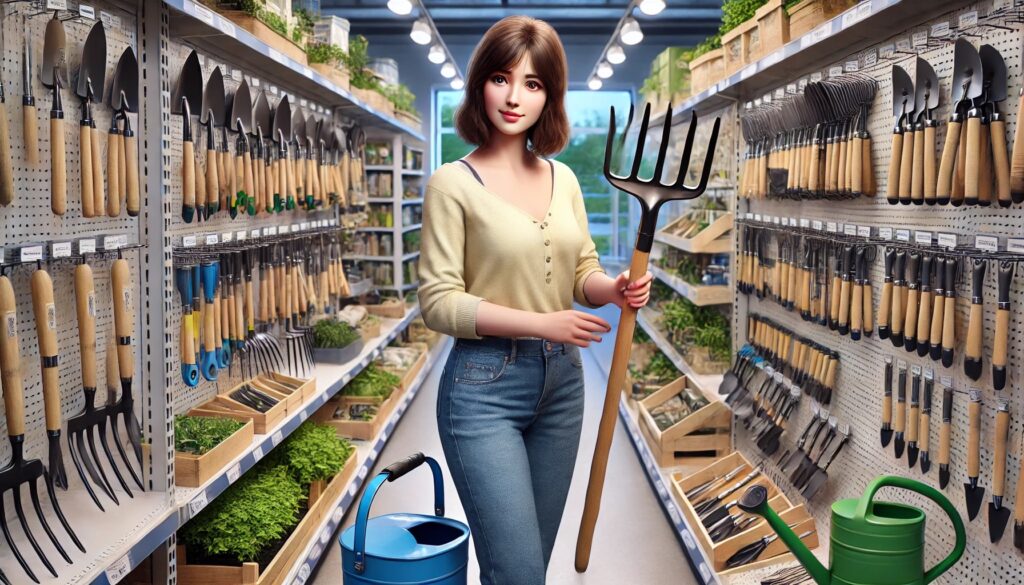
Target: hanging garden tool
point(261, 166)
point(902, 143)
point(298, 169)
point(124, 99)
point(914, 420)
point(949, 313)
point(54, 75)
point(998, 514)
point(652, 194)
point(926, 418)
point(6, 164)
point(124, 324)
point(885, 306)
point(886, 434)
point(924, 309)
point(1002, 334)
point(927, 98)
point(281, 130)
point(945, 436)
point(1018, 511)
point(913, 284)
point(994, 68)
point(188, 97)
point(975, 324)
point(900, 416)
point(212, 117)
point(240, 121)
point(898, 296)
point(89, 87)
point(965, 86)
point(29, 122)
point(750, 553)
point(973, 493)
point(934, 345)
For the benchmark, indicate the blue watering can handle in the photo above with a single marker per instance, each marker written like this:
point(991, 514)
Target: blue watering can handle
point(391, 473)
point(932, 494)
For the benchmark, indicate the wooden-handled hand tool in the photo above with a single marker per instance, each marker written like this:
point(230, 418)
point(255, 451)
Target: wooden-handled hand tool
point(189, 369)
point(966, 84)
point(975, 324)
point(938, 307)
point(837, 285)
point(1018, 511)
point(1017, 188)
point(996, 160)
point(998, 515)
point(901, 159)
point(927, 99)
point(924, 436)
point(857, 304)
point(1002, 334)
point(914, 420)
point(913, 298)
point(45, 312)
point(124, 327)
point(886, 433)
point(973, 493)
point(885, 307)
point(949, 314)
point(900, 416)
point(845, 291)
point(899, 273)
point(945, 433)
point(30, 129)
point(924, 312)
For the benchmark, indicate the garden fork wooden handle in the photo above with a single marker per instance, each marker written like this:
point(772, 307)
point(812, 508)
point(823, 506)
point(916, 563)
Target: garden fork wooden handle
point(85, 303)
point(45, 312)
point(10, 360)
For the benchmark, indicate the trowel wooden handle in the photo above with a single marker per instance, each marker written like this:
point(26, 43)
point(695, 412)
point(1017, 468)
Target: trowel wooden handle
point(113, 175)
point(917, 174)
point(239, 172)
point(220, 332)
point(947, 163)
point(897, 310)
point(974, 337)
point(924, 439)
point(1000, 340)
point(999, 465)
point(924, 317)
point(935, 331)
point(985, 168)
point(188, 179)
point(959, 178)
point(906, 167)
point(123, 143)
point(885, 307)
point(844, 303)
point(949, 323)
point(1018, 509)
point(893, 187)
point(85, 303)
point(833, 311)
point(124, 324)
point(973, 437)
point(868, 168)
point(945, 432)
point(928, 150)
point(86, 184)
point(113, 382)
point(98, 192)
point(10, 360)
point(129, 170)
point(230, 182)
point(857, 174)
point(842, 183)
point(899, 422)
point(887, 409)
point(248, 183)
point(972, 168)
point(910, 318)
point(1001, 162)
point(857, 309)
point(913, 423)
point(6, 164)
point(29, 120)
point(212, 183)
point(1017, 173)
point(46, 330)
point(201, 196)
point(869, 309)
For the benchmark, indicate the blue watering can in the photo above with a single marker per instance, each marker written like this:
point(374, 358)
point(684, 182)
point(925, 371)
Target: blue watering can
point(406, 549)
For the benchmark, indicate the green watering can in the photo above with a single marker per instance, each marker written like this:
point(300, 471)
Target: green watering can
point(873, 543)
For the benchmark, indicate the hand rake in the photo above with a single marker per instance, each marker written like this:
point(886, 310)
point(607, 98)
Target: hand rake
point(652, 194)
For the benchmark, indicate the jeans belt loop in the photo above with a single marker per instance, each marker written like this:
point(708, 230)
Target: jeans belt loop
point(512, 356)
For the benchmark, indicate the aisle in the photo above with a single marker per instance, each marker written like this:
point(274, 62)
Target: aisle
point(634, 543)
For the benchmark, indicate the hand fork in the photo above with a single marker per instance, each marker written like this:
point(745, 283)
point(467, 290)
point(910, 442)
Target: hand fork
point(652, 194)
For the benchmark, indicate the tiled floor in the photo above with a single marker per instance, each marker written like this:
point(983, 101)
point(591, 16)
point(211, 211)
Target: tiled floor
point(633, 544)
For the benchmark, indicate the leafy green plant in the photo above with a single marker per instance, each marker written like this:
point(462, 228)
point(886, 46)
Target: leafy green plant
point(328, 333)
point(736, 12)
point(790, 4)
point(357, 62)
point(401, 96)
point(200, 434)
point(324, 53)
point(303, 25)
point(255, 512)
point(313, 452)
point(372, 381)
point(707, 45)
point(661, 368)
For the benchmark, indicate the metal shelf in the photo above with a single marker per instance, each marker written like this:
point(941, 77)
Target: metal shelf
point(375, 229)
point(212, 33)
point(308, 559)
point(381, 168)
point(699, 295)
point(709, 382)
point(410, 256)
point(413, 172)
point(412, 227)
point(718, 246)
point(361, 257)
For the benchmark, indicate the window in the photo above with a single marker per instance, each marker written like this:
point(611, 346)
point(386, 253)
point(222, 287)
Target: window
point(607, 208)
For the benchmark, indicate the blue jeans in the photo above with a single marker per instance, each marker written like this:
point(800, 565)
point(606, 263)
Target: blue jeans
point(509, 414)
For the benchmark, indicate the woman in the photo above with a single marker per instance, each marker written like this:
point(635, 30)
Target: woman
point(506, 249)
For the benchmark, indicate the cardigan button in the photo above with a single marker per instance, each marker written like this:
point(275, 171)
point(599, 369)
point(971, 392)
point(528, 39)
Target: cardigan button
point(547, 242)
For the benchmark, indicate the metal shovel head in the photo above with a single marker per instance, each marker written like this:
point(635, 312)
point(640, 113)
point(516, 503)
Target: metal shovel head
point(326, 132)
point(261, 112)
point(126, 81)
point(974, 494)
point(299, 125)
point(189, 86)
point(55, 60)
point(967, 79)
point(213, 99)
point(93, 69)
point(312, 129)
point(902, 92)
point(282, 125)
point(994, 69)
point(926, 96)
point(241, 109)
point(1018, 535)
point(997, 520)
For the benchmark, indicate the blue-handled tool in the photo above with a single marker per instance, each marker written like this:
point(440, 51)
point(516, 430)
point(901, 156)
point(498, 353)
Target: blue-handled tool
point(208, 365)
point(189, 369)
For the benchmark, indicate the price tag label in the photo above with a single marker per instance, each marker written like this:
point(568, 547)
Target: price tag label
point(276, 55)
point(940, 29)
point(975, 395)
point(227, 237)
point(276, 438)
point(197, 504)
point(115, 242)
point(270, 231)
point(849, 18)
point(816, 224)
point(785, 221)
point(923, 238)
point(1015, 245)
point(303, 102)
point(987, 243)
point(903, 45)
point(864, 10)
point(757, 217)
point(835, 71)
point(885, 233)
point(864, 231)
point(792, 221)
point(303, 416)
point(257, 453)
point(947, 240)
point(929, 374)
point(296, 227)
point(850, 229)
point(227, 27)
point(234, 472)
point(86, 11)
point(870, 58)
point(851, 66)
point(282, 229)
point(254, 233)
point(748, 71)
point(885, 51)
point(273, 89)
point(816, 76)
point(776, 220)
point(750, 215)
point(212, 239)
point(831, 227)
point(821, 33)
point(805, 223)
point(119, 569)
point(202, 13)
point(240, 235)
point(84, 247)
point(791, 88)
point(916, 370)
point(188, 241)
point(967, 20)
point(919, 39)
point(110, 20)
point(304, 225)
point(802, 84)
point(946, 381)
point(60, 250)
point(31, 254)
point(903, 235)
point(56, 4)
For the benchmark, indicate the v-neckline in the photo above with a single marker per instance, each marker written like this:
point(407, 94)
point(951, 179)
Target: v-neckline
point(551, 197)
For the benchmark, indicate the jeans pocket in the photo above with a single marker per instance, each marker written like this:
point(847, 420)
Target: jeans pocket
point(480, 367)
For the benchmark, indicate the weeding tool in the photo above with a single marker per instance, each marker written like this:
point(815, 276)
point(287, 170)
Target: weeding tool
point(28, 101)
point(898, 296)
point(926, 417)
point(1002, 334)
point(900, 417)
point(886, 434)
point(54, 76)
point(973, 493)
point(1018, 511)
point(188, 97)
point(998, 514)
point(924, 310)
point(975, 324)
point(912, 302)
point(885, 306)
point(914, 420)
point(949, 314)
point(938, 310)
point(945, 433)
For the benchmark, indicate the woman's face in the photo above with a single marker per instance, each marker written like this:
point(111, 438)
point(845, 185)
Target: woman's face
point(514, 99)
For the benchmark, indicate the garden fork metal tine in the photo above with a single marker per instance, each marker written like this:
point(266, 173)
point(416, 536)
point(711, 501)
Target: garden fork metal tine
point(666, 130)
point(641, 139)
point(20, 511)
point(684, 165)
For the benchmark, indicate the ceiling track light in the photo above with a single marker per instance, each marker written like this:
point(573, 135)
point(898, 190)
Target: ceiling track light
point(436, 55)
point(594, 84)
point(652, 7)
point(604, 70)
point(448, 70)
point(400, 7)
point(421, 33)
point(627, 32)
point(630, 32)
point(458, 84)
point(616, 55)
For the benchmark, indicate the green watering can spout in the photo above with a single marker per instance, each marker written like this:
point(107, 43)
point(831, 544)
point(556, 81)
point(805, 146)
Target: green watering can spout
point(755, 501)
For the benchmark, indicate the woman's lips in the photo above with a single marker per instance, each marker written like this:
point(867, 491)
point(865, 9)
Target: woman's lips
point(510, 117)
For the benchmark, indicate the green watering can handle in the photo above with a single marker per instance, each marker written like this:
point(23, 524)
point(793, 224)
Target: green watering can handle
point(932, 494)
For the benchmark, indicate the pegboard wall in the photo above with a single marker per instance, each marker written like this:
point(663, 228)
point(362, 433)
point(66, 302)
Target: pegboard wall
point(857, 400)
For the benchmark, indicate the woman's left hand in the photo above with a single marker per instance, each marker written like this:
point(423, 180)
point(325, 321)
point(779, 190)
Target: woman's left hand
point(635, 293)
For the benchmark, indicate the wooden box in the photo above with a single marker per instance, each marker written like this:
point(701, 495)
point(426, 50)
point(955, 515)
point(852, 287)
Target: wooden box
point(706, 241)
point(707, 70)
point(809, 14)
point(410, 374)
point(357, 429)
point(224, 406)
point(268, 35)
point(411, 120)
point(336, 74)
point(391, 309)
point(194, 470)
point(741, 46)
point(275, 572)
point(703, 434)
point(299, 390)
point(720, 552)
point(772, 25)
point(369, 330)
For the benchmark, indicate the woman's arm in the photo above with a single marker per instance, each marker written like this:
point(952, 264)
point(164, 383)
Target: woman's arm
point(575, 327)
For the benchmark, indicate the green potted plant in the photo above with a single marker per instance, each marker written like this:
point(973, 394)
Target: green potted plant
point(335, 342)
point(364, 84)
point(707, 66)
point(327, 60)
point(315, 455)
point(266, 24)
point(203, 445)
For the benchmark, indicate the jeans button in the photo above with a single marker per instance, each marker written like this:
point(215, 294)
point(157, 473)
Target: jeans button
point(547, 346)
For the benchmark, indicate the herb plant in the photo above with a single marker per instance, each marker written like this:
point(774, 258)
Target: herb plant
point(372, 381)
point(200, 434)
point(303, 25)
point(357, 61)
point(324, 53)
point(736, 12)
point(707, 45)
point(328, 333)
point(313, 452)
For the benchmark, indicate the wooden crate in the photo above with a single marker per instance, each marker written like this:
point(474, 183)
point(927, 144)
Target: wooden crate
point(776, 552)
point(391, 309)
point(809, 14)
point(268, 35)
point(306, 387)
point(410, 374)
point(194, 470)
point(741, 46)
point(679, 444)
point(707, 70)
point(275, 572)
point(292, 397)
point(706, 241)
point(773, 26)
point(358, 429)
point(225, 406)
point(369, 331)
point(337, 74)
point(411, 120)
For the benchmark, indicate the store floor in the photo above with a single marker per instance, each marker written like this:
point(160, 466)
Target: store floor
point(633, 543)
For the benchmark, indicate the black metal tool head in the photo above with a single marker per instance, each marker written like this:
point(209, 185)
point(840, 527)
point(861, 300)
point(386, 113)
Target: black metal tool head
point(974, 495)
point(93, 69)
point(902, 94)
point(281, 130)
point(80, 428)
point(994, 72)
point(967, 71)
point(124, 87)
point(55, 61)
point(652, 193)
point(241, 109)
point(299, 126)
point(213, 99)
point(261, 114)
point(998, 517)
point(187, 98)
point(124, 408)
point(926, 98)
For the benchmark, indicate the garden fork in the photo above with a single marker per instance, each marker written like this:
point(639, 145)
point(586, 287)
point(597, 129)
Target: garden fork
point(652, 194)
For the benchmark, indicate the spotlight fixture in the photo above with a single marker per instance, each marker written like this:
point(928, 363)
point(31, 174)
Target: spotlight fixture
point(448, 70)
point(458, 84)
point(652, 7)
point(421, 34)
point(604, 70)
point(436, 55)
point(400, 7)
point(616, 55)
point(630, 32)
point(594, 84)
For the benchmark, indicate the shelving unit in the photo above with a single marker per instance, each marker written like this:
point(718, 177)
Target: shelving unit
point(699, 295)
point(706, 381)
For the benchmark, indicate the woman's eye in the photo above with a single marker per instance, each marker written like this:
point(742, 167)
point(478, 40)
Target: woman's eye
point(498, 79)
point(533, 85)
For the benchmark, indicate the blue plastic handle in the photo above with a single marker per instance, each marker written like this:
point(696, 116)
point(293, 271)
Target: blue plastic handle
point(359, 543)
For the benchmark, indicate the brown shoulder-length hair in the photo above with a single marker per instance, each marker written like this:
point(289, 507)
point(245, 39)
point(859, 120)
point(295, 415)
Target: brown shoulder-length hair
point(503, 47)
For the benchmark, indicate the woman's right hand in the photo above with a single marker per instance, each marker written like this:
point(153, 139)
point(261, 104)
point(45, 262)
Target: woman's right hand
point(575, 327)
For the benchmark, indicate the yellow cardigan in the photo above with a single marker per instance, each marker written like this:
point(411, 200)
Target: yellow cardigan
point(478, 246)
